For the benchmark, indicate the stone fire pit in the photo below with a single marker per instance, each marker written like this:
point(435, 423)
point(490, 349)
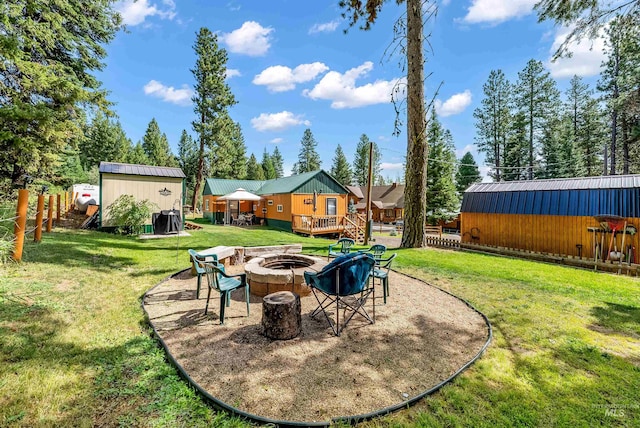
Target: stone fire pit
point(281, 272)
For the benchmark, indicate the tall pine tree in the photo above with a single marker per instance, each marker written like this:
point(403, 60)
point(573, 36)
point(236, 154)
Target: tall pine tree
point(538, 99)
point(467, 173)
point(254, 169)
point(442, 200)
point(156, 146)
point(340, 169)
point(308, 157)
point(276, 158)
point(188, 158)
point(267, 165)
point(361, 161)
point(212, 98)
point(493, 121)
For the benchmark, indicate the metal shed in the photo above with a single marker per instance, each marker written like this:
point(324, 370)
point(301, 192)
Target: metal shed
point(550, 216)
point(162, 186)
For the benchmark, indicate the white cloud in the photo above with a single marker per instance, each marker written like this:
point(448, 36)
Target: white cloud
point(134, 12)
point(326, 27)
point(388, 166)
point(279, 78)
point(276, 140)
point(232, 72)
point(468, 148)
point(497, 11)
point(587, 55)
point(454, 105)
point(277, 121)
point(169, 94)
point(251, 39)
point(341, 89)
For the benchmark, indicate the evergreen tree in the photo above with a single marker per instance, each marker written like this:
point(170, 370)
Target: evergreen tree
point(254, 169)
point(223, 150)
point(620, 82)
point(267, 165)
point(156, 146)
point(70, 170)
point(188, 158)
point(575, 107)
point(340, 169)
point(212, 98)
point(467, 173)
point(49, 52)
point(137, 155)
point(442, 201)
point(516, 150)
point(538, 99)
point(361, 161)
point(105, 141)
point(276, 158)
point(493, 121)
point(239, 153)
point(308, 157)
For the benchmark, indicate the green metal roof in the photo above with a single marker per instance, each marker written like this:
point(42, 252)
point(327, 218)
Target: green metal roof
point(221, 186)
point(307, 182)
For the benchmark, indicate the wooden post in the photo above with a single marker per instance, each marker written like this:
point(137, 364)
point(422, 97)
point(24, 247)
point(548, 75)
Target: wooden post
point(50, 214)
point(66, 202)
point(58, 210)
point(37, 237)
point(21, 223)
point(367, 232)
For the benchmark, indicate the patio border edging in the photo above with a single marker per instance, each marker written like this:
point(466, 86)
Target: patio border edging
point(348, 419)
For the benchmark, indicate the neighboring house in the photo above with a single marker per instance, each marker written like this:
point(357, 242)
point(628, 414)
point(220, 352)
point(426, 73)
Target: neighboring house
point(551, 216)
point(312, 203)
point(162, 186)
point(387, 201)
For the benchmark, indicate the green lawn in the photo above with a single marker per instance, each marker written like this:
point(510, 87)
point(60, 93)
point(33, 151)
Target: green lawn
point(75, 349)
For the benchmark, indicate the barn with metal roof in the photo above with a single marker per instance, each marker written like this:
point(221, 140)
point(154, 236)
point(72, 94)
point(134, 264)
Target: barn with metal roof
point(556, 216)
point(162, 186)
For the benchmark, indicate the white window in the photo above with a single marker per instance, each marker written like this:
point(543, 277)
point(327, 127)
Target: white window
point(279, 208)
point(270, 202)
point(206, 205)
point(331, 206)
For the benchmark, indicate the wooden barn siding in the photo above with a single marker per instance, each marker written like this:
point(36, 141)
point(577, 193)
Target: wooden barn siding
point(541, 233)
point(140, 187)
point(299, 207)
point(272, 210)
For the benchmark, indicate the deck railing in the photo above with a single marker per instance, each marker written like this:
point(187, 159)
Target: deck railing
point(312, 224)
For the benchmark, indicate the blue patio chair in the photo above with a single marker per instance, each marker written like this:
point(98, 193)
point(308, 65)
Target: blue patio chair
point(343, 283)
point(381, 272)
point(224, 284)
point(342, 247)
point(198, 259)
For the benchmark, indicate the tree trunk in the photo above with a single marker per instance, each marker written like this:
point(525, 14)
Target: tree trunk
point(200, 171)
point(415, 193)
point(281, 315)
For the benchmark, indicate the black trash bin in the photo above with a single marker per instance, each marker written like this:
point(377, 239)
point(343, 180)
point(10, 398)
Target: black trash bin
point(166, 222)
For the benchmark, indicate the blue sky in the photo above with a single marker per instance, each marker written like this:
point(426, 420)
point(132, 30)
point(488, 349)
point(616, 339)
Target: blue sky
point(291, 67)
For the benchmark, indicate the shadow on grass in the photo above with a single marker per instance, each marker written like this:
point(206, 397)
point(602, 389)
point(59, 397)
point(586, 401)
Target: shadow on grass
point(130, 380)
point(617, 318)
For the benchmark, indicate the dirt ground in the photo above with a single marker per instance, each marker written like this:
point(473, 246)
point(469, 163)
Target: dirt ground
point(420, 338)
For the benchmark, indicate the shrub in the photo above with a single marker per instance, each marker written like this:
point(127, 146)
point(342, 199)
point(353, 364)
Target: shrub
point(129, 215)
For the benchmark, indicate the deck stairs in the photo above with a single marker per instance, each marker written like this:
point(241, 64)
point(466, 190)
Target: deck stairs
point(354, 227)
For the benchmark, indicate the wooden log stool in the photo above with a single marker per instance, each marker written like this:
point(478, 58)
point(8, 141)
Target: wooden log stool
point(281, 315)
